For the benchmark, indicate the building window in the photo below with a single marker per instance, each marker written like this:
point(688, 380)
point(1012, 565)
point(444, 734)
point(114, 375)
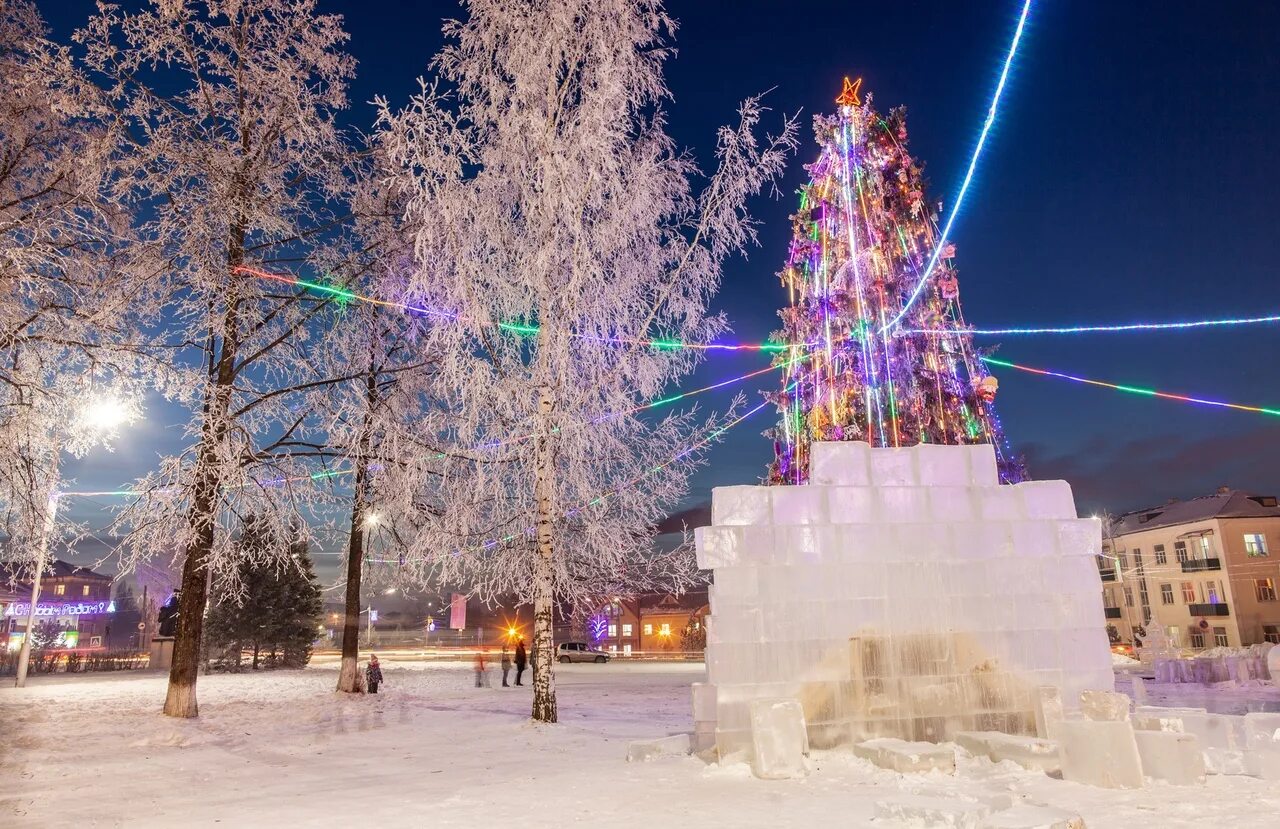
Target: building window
point(1271, 633)
point(1205, 550)
point(1197, 639)
point(1180, 551)
point(60, 590)
point(626, 630)
point(613, 631)
point(1255, 544)
point(1211, 592)
point(85, 591)
point(1128, 597)
point(1220, 637)
point(1122, 560)
point(1160, 556)
point(626, 648)
point(613, 648)
point(1166, 594)
point(1189, 592)
point(665, 630)
point(1266, 589)
point(648, 630)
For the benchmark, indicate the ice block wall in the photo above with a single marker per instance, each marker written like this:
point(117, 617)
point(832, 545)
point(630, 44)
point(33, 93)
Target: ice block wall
point(902, 592)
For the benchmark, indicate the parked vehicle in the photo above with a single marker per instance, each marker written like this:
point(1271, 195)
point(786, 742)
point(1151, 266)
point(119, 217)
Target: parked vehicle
point(580, 652)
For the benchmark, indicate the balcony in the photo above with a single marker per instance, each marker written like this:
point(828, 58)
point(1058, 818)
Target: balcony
point(1107, 575)
point(1196, 565)
point(1219, 609)
point(1111, 612)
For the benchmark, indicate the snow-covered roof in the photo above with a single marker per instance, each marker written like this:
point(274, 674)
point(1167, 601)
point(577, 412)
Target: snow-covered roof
point(1232, 503)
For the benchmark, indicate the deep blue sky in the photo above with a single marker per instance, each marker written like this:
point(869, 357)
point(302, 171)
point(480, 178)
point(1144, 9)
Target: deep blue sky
point(1132, 176)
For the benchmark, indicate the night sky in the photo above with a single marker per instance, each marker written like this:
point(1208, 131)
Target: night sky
point(1131, 176)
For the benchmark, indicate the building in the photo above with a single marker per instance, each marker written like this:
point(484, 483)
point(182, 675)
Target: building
point(77, 598)
point(654, 623)
point(1207, 569)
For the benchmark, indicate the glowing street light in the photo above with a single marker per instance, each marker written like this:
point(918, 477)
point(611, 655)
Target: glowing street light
point(101, 416)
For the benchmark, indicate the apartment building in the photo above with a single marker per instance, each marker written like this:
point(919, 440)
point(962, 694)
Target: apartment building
point(1207, 569)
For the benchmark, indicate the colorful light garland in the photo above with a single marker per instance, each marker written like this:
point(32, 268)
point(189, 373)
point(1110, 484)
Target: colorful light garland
point(1119, 328)
point(968, 176)
point(1132, 389)
point(343, 295)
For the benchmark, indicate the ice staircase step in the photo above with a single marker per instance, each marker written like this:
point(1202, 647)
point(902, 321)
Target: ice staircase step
point(676, 745)
point(1029, 752)
point(904, 756)
point(1028, 816)
point(923, 810)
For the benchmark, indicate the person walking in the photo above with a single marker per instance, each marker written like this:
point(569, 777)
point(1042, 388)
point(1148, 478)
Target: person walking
point(481, 678)
point(506, 664)
point(373, 675)
point(522, 659)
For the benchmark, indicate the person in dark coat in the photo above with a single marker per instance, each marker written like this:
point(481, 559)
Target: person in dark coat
point(522, 659)
point(506, 664)
point(373, 675)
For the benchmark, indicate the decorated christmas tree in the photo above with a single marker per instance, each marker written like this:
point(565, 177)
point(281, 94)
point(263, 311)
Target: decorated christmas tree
point(876, 348)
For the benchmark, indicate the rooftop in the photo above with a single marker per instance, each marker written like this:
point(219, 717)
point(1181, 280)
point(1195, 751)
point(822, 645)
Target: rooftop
point(12, 574)
point(1226, 503)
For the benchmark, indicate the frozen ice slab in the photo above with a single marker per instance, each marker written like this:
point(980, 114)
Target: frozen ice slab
point(893, 467)
point(1171, 757)
point(983, 470)
point(938, 465)
point(779, 739)
point(951, 504)
point(799, 504)
point(1104, 706)
point(922, 810)
point(1101, 754)
point(1156, 718)
point(846, 463)
point(673, 746)
point(1027, 816)
point(1047, 499)
point(905, 756)
point(704, 702)
point(1262, 745)
point(1046, 703)
point(741, 505)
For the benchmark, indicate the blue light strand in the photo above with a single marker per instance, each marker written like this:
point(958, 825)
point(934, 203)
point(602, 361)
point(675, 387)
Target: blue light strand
point(968, 176)
point(1093, 329)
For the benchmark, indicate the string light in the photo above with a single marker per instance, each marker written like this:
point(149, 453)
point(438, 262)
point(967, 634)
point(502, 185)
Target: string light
point(1133, 326)
point(968, 176)
point(1133, 389)
point(344, 295)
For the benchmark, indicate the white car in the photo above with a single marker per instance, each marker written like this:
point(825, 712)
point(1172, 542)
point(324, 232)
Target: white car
point(579, 652)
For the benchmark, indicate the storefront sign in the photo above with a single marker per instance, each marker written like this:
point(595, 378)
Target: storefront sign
point(22, 609)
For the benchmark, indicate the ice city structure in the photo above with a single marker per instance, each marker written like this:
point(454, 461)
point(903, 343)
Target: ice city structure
point(902, 592)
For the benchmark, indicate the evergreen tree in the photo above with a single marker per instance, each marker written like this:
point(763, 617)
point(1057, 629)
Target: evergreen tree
point(271, 604)
point(874, 341)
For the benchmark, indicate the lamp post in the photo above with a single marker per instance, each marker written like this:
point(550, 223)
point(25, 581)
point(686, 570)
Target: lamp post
point(101, 415)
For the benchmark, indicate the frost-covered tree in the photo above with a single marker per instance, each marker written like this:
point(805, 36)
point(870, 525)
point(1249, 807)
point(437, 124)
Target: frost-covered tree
point(375, 422)
point(557, 229)
point(69, 306)
point(230, 150)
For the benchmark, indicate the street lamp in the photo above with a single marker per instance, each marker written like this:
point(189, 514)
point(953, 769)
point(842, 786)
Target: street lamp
point(101, 416)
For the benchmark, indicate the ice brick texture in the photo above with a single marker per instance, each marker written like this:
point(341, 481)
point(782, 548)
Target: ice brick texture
point(901, 593)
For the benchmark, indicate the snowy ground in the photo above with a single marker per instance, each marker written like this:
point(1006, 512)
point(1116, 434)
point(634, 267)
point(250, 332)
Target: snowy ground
point(281, 749)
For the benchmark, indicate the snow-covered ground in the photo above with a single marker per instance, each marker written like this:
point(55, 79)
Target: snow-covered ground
point(281, 749)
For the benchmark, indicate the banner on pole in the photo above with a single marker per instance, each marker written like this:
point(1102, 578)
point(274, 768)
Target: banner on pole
point(458, 611)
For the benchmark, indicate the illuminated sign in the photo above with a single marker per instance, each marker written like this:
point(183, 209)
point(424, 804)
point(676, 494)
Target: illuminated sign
point(22, 609)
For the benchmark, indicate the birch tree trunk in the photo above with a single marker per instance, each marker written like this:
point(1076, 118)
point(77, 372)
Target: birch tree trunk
point(349, 675)
point(544, 687)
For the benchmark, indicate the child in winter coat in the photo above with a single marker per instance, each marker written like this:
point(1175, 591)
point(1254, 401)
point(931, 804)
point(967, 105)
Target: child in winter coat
point(373, 675)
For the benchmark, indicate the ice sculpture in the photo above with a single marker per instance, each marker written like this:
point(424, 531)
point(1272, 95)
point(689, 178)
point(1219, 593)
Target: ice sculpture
point(901, 593)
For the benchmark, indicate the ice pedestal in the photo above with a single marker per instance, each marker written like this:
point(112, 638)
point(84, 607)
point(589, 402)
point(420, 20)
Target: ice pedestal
point(903, 593)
